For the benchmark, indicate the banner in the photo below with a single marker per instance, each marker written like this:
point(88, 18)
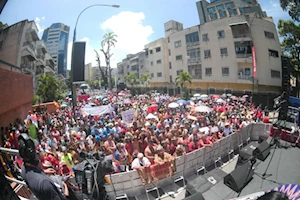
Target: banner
point(128, 115)
point(254, 61)
point(97, 110)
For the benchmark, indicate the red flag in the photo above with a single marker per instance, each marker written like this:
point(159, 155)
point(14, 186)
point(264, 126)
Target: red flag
point(254, 61)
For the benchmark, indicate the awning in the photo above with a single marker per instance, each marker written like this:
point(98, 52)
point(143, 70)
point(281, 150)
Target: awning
point(238, 23)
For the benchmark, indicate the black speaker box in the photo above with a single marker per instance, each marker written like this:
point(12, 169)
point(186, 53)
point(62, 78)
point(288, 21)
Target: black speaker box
point(237, 179)
point(262, 151)
point(78, 60)
point(247, 152)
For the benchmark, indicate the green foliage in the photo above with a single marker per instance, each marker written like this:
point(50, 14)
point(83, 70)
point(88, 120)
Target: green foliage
point(130, 79)
point(182, 78)
point(49, 88)
point(144, 79)
point(293, 8)
point(291, 44)
point(35, 99)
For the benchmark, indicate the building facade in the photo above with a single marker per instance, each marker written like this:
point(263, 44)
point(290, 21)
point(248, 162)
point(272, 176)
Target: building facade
point(56, 38)
point(87, 72)
point(217, 53)
point(133, 63)
point(20, 46)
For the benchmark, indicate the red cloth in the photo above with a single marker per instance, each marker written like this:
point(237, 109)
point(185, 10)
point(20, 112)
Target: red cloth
point(193, 147)
point(129, 148)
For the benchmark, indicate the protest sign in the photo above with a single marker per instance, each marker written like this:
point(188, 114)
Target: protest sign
point(128, 115)
point(97, 110)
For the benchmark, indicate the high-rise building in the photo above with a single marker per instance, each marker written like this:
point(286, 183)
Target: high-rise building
point(235, 48)
point(56, 38)
point(87, 72)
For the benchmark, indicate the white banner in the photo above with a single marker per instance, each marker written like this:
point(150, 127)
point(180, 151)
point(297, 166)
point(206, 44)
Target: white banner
point(128, 115)
point(97, 110)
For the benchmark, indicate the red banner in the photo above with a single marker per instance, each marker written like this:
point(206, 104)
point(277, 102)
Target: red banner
point(254, 62)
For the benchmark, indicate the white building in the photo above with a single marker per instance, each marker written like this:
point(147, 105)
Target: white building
point(218, 52)
point(20, 46)
point(87, 72)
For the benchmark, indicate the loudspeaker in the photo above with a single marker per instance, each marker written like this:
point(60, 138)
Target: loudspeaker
point(236, 180)
point(247, 152)
point(262, 151)
point(195, 196)
point(78, 60)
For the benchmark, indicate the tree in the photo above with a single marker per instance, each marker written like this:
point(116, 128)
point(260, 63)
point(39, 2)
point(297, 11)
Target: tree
point(145, 79)
point(48, 89)
point(291, 44)
point(103, 71)
point(130, 79)
point(108, 42)
point(182, 78)
point(293, 8)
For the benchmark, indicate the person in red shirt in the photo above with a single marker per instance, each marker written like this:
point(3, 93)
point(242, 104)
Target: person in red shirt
point(193, 145)
point(205, 141)
point(128, 145)
point(55, 133)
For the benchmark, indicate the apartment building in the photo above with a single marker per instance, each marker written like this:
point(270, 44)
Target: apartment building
point(56, 38)
point(20, 46)
point(133, 63)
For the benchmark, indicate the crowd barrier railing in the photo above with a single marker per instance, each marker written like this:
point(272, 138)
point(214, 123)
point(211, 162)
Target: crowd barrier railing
point(129, 184)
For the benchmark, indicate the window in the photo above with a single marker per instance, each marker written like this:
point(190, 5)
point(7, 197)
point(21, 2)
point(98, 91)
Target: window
point(222, 14)
point(269, 35)
point(225, 71)
point(142, 66)
point(151, 51)
point(228, 91)
point(171, 79)
point(134, 68)
point(192, 37)
point(205, 37)
point(127, 66)
point(232, 12)
point(151, 63)
point(229, 5)
point(157, 49)
point(223, 51)
point(275, 74)
point(211, 90)
point(213, 16)
point(207, 54)
point(242, 10)
point(159, 74)
point(170, 65)
point(273, 53)
point(179, 57)
point(221, 34)
point(195, 71)
point(169, 52)
point(193, 53)
point(158, 62)
point(177, 44)
point(147, 53)
point(211, 9)
point(178, 72)
point(220, 7)
point(152, 75)
point(208, 71)
point(168, 39)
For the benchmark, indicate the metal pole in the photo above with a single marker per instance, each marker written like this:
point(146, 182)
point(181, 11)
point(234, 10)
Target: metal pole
point(74, 96)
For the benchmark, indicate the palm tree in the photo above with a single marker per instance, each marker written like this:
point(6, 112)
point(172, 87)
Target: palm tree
point(130, 79)
point(182, 78)
point(145, 78)
point(109, 40)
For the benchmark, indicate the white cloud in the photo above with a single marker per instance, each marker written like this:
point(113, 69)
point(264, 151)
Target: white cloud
point(275, 4)
point(39, 26)
point(90, 55)
point(132, 34)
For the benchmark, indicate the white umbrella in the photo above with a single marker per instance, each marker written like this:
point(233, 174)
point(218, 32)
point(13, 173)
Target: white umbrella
point(197, 95)
point(193, 98)
point(202, 109)
point(173, 105)
point(151, 116)
point(204, 129)
point(204, 96)
point(220, 101)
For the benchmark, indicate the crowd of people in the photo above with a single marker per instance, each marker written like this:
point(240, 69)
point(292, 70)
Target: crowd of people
point(170, 132)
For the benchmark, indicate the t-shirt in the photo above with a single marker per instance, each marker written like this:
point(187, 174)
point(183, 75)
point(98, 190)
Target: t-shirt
point(68, 160)
point(32, 131)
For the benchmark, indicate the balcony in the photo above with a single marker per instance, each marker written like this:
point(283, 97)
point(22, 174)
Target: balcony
point(191, 44)
point(244, 58)
point(194, 60)
point(32, 34)
point(242, 78)
point(41, 46)
point(28, 51)
point(41, 56)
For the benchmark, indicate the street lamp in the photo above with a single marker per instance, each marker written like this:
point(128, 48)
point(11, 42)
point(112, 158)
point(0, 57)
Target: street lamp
point(74, 97)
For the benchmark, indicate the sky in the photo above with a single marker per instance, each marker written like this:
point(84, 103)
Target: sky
point(136, 22)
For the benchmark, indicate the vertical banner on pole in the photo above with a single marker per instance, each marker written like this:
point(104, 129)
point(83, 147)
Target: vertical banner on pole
point(254, 61)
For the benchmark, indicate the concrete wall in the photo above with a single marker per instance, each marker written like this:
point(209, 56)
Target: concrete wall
point(16, 96)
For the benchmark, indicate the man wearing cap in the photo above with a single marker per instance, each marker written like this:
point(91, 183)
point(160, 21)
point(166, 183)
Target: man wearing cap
point(162, 157)
point(142, 165)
